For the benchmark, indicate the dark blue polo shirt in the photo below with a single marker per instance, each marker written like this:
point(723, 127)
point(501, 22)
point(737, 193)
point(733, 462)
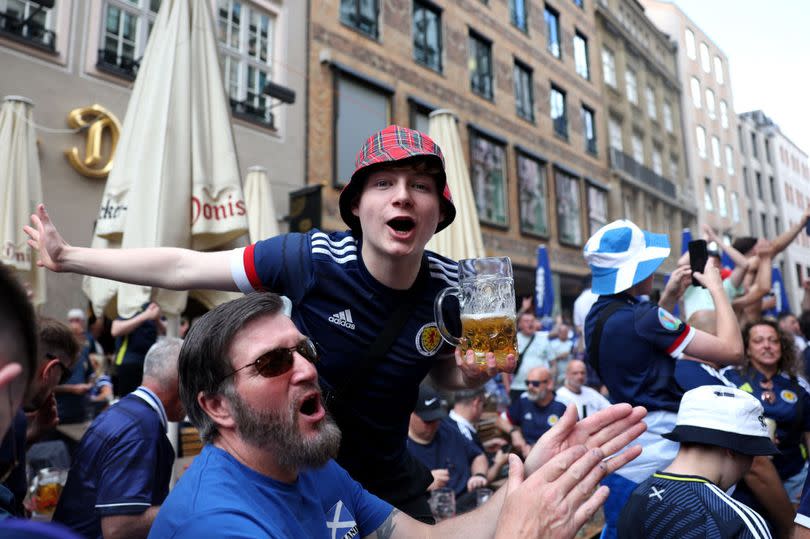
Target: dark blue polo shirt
point(638, 350)
point(122, 465)
point(691, 374)
point(790, 428)
point(449, 449)
point(534, 420)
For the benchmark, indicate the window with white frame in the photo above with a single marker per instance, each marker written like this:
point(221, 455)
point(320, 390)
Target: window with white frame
point(38, 30)
point(729, 161)
point(689, 37)
point(694, 85)
point(705, 60)
point(723, 114)
point(631, 85)
point(700, 134)
point(657, 162)
point(615, 134)
point(718, 70)
point(721, 201)
point(716, 152)
point(638, 148)
point(127, 25)
point(649, 96)
point(246, 39)
point(710, 103)
point(668, 117)
point(735, 207)
point(609, 67)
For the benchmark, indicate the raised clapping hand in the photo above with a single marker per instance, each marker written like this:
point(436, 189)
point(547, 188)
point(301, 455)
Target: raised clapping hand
point(44, 238)
point(475, 374)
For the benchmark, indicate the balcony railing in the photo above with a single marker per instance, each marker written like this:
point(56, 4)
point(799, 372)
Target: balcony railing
point(123, 66)
point(251, 113)
point(621, 161)
point(29, 32)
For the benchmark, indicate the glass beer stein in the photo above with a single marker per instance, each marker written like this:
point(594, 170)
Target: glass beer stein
point(486, 296)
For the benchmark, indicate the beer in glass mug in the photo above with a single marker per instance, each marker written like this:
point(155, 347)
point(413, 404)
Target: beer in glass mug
point(486, 296)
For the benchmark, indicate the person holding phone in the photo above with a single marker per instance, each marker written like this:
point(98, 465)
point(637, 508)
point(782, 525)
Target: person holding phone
point(634, 345)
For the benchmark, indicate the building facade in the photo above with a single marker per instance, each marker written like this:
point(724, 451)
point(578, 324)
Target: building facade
point(642, 94)
point(524, 80)
point(82, 53)
point(777, 174)
point(709, 121)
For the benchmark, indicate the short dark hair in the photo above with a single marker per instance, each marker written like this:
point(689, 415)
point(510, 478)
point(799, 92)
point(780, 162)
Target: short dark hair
point(57, 338)
point(18, 324)
point(204, 359)
point(466, 396)
point(744, 244)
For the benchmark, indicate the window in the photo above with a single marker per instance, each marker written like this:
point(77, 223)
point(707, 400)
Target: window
point(609, 67)
point(745, 183)
point(427, 35)
point(673, 167)
point(558, 116)
point(668, 117)
point(517, 13)
point(700, 133)
point(708, 203)
point(718, 70)
point(361, 109)
point(615, 134)
point(710, 103)
point(524, 101)
point(657, 163)
point(690, 44)
point(631, 86)
point(638, 148)
point(729, 161)
point(721, 201)
point(488, 167)
point(627, 206)
point(758, 177)
point(480, 66)
point(695, 87)
point(735, 207)
point(580, 4)
point(552, 32)
point(581, 56)
point(589, 129)
point(723, 114)
point(649, 96)
point(39, 23)
point(763, 219)
point(420, 117)
point(716, 152)
point(768, 150)
point(741, 139)
point(246, 39)
point(705, 62)
point(597, 208)
point(361, 15)
point(568, 207)
point(772, 184)
point(533, 194)
point(126, 30)
point(754, 146)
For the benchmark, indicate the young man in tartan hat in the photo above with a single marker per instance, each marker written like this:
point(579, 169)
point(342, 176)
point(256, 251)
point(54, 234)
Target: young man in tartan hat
point(344, 287)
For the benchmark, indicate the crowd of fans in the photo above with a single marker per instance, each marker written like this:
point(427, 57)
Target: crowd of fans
point(315, 428)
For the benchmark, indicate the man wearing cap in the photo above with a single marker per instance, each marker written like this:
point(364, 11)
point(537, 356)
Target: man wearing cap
point(453, 460)
point(633, 345)
point(346, 288)
point(720, 430)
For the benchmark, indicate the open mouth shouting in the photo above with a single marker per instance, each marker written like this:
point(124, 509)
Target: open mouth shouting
point(401, 226)
point(312, 407)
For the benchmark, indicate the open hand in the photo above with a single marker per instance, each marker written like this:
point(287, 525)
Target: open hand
point(46, 240)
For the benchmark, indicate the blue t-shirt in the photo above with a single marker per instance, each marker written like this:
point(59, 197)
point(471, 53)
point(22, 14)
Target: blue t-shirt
point(449, 450)
point(691, 374)
point(131, 349)
point(218, 496)
point(790, 428)
point(122, 466)
point(803, 512)
point(343, 309)
point(534, 420)
point(638, 350)
point(18, 528)
point(73, 408)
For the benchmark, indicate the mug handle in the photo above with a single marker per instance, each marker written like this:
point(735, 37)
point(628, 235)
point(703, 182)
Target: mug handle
point(437, 312)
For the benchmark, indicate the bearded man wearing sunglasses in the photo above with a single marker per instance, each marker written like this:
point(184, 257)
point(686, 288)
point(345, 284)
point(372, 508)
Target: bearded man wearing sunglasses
point(249, 385)
point(364, 295)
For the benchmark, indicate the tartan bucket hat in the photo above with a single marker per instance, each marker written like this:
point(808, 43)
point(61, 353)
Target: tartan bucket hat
point(392, 144)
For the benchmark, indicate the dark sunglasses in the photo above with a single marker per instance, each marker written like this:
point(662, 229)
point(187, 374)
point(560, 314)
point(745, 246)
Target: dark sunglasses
point(536, 383)
point(280, 360)
point(65, 369)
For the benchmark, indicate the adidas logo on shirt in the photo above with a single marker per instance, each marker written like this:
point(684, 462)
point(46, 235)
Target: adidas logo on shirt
point(343, 318)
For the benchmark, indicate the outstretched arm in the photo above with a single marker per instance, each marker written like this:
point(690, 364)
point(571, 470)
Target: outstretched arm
point(785, 238)
point(164, 267)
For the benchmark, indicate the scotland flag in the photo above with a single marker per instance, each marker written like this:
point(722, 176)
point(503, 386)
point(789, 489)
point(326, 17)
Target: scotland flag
point(779, 291)
point(340, 522)
point(543, 289)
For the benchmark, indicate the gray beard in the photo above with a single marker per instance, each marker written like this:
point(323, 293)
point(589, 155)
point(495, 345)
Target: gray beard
point(280, 433)
point(534, 397)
